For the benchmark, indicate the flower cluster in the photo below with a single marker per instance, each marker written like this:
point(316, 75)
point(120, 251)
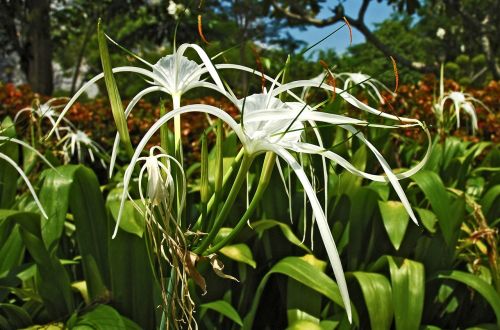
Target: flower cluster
point(267, 124)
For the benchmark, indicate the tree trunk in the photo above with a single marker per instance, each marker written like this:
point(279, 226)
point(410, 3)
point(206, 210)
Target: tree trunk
point(39, 71)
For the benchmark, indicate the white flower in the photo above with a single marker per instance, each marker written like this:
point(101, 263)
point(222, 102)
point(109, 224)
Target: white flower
point(176, 10)
point(269, 124)
point(369, 84)
point(465, 102)
point(46, 111)
point(440, 33)
point(73, 142)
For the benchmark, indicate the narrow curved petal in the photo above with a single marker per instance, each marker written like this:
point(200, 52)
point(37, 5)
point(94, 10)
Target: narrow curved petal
point(346, 96)
point(93, 81)
point(206, 60)
point(27, 146)
point(128, 110)
point(28, 183)
point(323, 227)
point(164, 119)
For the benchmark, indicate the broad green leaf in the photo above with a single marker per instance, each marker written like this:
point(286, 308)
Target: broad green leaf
point(51, 278)
point(478, 284)
point(113, 94)
point(77, 190)
point(395, 220)
point(132, 221)
point(104, 317)
point(350, 182)
point(16, 316)
point(450, 215)
point(224, 308)
point(11, 243)
point(239, 252)
point(377, 294)
point(363, 207)
point(490, 203)
point(134, 292)
point(8, 174)
point(428, 219)
point(263, 225)
point(304, 273)
point(408, 288)
point(304, 325)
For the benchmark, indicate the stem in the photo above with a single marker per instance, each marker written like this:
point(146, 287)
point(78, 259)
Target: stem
point(219, 221)
point(213, 200)
point(176, 101)
point(265, 177)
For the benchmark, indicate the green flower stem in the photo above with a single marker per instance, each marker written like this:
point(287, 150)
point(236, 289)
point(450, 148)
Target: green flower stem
point(246, 162)
point(176, 101)
point(219, 170)
point(265, 177)
point(213, 200)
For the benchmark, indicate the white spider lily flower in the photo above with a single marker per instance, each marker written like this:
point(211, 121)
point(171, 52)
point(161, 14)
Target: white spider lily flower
point(46, 111)
point(255, 141)
point(73, 142)
point(369, 84)
point(173, 74)
point(160, 188)
point(20, 170)
point(465, 102)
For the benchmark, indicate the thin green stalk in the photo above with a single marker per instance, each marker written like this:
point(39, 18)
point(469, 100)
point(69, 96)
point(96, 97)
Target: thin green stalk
point(204, 185)
point(213, 201)
point(265, 177)
point(246, 162)
point(163, 129)
point(219, 170)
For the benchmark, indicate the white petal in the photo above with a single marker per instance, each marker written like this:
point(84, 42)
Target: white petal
point(323, 227)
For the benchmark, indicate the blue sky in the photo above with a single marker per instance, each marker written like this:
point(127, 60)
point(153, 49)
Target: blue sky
point(377, 12)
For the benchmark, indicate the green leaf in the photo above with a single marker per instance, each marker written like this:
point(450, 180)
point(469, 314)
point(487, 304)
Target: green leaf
point(239, 252)
point(377, 294)
point(428, 219)
point(363, 207)
point(76, 188)
point(114, 95)
point(8, 174)
point(305, 273)
point(395, 220)
point(224, 308)
point(408, 289)
point(450, 215)
point(135, 291)
point(16, 316)
point(263, 225)
point(11, 245)
point(490, 203)
point(51, 278)
point(132, 221)
point(104, 317)
point(478, 284)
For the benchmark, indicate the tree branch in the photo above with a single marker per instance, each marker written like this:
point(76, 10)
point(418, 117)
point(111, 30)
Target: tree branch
point(360, 25)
